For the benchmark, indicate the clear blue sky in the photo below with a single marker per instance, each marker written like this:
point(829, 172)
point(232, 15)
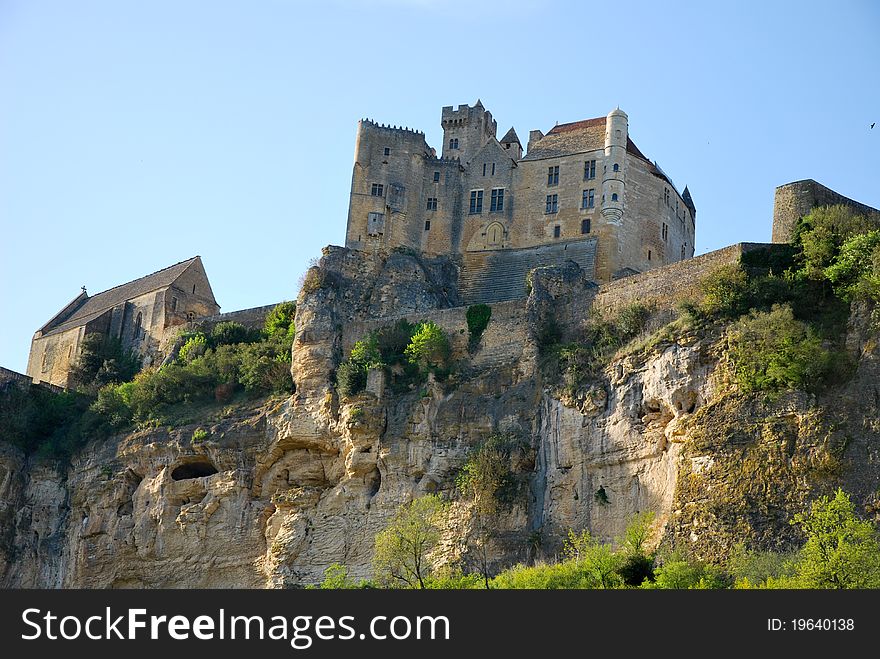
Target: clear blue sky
point(137, 134)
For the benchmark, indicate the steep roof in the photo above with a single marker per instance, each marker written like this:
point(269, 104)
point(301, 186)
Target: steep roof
point(92, 306)
point(576, 137)
point(689, 202)
point(510, 137)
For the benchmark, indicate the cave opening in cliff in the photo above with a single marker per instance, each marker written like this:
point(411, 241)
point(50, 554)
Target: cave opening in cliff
point(198, 469)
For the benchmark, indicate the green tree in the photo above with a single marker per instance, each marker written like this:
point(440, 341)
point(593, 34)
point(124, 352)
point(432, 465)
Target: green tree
point(841, 551)
point(401, 554)
point(103, 360)
point(637, 564)
point(482, 478)
point(429, 347)
point(597, 560)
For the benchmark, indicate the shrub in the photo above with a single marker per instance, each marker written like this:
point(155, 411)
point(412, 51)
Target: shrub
point(725, 292)
point(230, 333)
point(195, 346)
point(199, 435)
point(366, 352)
point(103, 360)
point(429, 347)
point(392, 340)
point(822, 232)
point(772, 351)
point(681, 574)
point(855, 271)
point(279, 321)
point(631, 321)
point(351, 378)
point(477, 316)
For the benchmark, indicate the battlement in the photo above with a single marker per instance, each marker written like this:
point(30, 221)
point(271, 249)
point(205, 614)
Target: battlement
point(389, 127)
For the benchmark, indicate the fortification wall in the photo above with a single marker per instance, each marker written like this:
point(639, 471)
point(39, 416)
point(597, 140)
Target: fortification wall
point(502, 343)
point(664, 287)
point(252, 318)
point(794, 200)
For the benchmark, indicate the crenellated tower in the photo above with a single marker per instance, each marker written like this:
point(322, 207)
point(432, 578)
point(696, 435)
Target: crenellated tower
point(466, 130)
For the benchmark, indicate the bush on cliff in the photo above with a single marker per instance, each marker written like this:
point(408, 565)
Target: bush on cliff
point(429, 348)
point(103, 360)
point(771, 351)
point(209, 369)
point(477, 317)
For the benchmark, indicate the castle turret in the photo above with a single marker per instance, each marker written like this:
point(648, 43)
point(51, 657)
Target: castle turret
point(511, 143)
point(466, 130)
point(616, 131)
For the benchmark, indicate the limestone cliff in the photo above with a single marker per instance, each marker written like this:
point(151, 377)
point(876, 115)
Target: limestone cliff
point(280, 490)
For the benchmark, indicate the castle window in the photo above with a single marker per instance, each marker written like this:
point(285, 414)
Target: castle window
point(190, 316)
point(649, 254)
point(666, 195)
point(137, 325)
point(589, 170)
point(682, 252)
point(194, 289)
point(387, 151)
point(585, 225)
point(552, 203)
point(436, 177)
point(484, 169)
point(613, 196)
point(493, 169)
point(377, 190)
point(45, 363)
point(453, 143)
point(432, 204)
point(174, 304)
point(557, 231)
point(427, 225)
point(553, 175)
point(375, 224)
point(665, 231)
point(497, 203)
point(588, 200)
point(476, 202)
point(616, 167)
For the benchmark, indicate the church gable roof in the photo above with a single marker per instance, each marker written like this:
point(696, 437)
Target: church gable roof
point(576, 137)
point(91, 307)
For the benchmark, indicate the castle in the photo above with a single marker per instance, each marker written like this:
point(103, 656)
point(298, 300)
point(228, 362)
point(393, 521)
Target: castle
point(584, 191)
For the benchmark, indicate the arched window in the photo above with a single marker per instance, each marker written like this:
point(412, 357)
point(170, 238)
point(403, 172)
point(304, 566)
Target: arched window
point(616, 167)
point(613, 196)
point(495, 234)
point(137, 325)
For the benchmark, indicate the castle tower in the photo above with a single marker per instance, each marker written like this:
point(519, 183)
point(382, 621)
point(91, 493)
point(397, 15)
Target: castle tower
point(616, 131)
point(610, 248)
point(466, 130)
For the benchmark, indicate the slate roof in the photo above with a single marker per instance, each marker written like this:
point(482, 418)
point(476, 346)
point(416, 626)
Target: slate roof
point(93, 306)
point(510, 137)
point(576, 137)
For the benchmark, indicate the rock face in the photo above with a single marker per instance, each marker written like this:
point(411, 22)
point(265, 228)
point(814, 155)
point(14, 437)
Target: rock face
point(280, 491)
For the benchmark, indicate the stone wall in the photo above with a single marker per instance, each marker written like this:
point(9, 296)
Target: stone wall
point(664, 287)
point(794, 200)
point(252, 318)
point(502, 342)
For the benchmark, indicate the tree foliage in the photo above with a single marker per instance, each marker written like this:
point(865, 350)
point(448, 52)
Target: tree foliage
point(103, 360)
point(841, 550)
point(429, 347)
point(401, 553)
point(772, 351)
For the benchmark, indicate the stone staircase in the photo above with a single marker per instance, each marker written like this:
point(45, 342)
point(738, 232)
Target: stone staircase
point(500, 275)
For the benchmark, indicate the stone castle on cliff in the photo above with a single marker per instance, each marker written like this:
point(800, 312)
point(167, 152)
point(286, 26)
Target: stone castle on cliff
point(584, 191)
